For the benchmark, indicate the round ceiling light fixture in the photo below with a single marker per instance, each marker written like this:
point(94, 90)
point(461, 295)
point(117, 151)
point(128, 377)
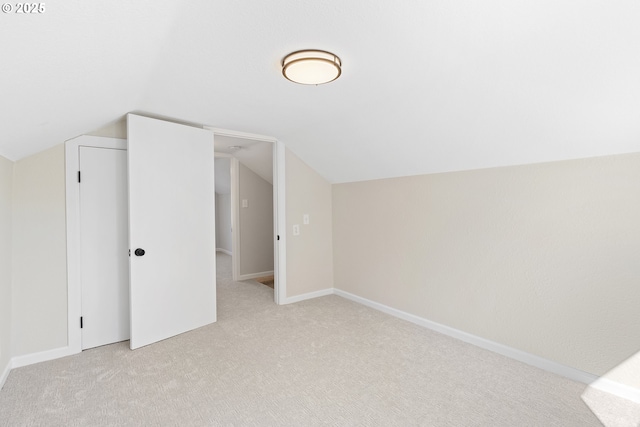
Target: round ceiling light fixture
point(311, 67)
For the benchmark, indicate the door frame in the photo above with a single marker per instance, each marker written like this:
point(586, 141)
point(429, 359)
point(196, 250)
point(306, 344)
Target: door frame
point(279, 209)
point(232, 159)
point(74, 286)
point(104, 240)
point(72, 165)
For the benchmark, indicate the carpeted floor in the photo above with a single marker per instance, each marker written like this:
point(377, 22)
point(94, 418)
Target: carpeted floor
point(267, 281)
point(326, 361)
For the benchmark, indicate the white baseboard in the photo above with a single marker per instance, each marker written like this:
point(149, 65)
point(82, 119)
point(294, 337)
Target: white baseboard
point(617, 389)
point(603, 384)
point(43, 356)
point(310, 295)
point(522, 356)
point(224, 251)
point(5, 374)
point(254, 275)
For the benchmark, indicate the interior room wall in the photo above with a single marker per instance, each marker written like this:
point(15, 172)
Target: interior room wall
point(6, 196)
point(542, 258)
point(39, 292)
point(116, 129)
point(309, 255)
point(223, 222)
point(256, 223)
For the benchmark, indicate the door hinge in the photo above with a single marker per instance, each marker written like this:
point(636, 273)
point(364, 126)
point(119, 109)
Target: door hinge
point(81, 324)
point(78, 176)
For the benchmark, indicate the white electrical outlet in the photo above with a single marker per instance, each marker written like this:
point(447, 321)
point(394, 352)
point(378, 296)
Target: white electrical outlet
point(305, 219)
point(296, 230)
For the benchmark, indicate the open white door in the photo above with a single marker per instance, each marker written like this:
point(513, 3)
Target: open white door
point(171, 229)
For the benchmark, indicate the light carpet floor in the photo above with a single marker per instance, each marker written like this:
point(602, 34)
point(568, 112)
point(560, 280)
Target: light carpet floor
point(326, 361)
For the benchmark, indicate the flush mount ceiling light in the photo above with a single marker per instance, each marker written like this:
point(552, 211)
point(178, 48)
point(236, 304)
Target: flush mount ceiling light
point(311, 67)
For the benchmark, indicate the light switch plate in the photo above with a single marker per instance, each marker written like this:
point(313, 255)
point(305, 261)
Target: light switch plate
point(296, 230)
point(305, 219)
point(245, 203)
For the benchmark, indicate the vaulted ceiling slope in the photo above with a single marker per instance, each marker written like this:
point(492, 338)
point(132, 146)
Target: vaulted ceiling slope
point(427, 86)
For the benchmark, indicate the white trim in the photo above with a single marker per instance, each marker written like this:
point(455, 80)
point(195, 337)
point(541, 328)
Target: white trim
point(224, 251)
point(280, 291)
point(243, 135)
point(310, 295)
point(234, 171)
point(617, 389)
point(5, 374)
point(603, 384)
point(513, 353)
point(43, 356)
point(600, 383)
point(254, 275)
point(279, 211)
point(72, 166)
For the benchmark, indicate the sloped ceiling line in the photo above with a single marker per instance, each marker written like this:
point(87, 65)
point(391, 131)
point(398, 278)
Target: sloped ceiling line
point(426, 86)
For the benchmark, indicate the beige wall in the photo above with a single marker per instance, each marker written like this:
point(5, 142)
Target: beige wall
point(223, 222)
point(6, 191)
point(309, 255)
point(543, 258)
point(116, 129)
point(256, 222)
point(39, 308)
point(539, 257)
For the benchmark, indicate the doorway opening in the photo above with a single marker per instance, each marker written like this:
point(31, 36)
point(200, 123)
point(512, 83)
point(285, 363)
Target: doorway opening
point(256, 198)
point(74, 246)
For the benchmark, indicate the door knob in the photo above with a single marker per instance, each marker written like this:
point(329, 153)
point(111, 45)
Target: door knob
point(139, 252)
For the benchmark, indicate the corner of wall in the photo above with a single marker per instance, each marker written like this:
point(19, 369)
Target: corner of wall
point(310, 252)
point(115, 129)
point(39, 237)
point(520, 240)
point(6, 261)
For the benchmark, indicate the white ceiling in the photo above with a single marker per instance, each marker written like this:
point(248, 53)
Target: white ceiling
point(427, 86)
point(256, 155)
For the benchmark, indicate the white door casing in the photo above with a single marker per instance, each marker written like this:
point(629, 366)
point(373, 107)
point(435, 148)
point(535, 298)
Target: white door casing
point(74, 288)
point(172, 218)
point(279, 210)
point(104, 242)
point(74, 344)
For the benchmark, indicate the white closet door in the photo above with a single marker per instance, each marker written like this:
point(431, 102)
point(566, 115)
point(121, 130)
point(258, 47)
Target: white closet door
point(171, 219)
point(104, 272)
